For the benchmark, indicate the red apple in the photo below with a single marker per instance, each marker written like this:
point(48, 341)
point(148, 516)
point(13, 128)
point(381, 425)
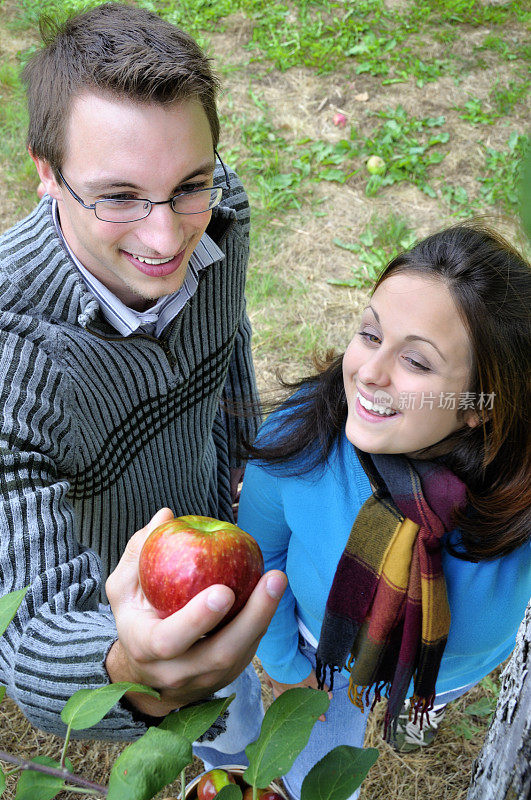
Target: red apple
point(212, 782)
point(262, 794)
point(185, 555)
point(339, 120)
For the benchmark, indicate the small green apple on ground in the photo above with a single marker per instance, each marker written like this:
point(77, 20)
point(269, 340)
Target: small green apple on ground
point(182, 557)
point(376, 165)
point(213, 782)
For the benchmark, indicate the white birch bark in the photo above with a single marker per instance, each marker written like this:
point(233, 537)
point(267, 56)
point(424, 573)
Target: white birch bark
point(502, 770)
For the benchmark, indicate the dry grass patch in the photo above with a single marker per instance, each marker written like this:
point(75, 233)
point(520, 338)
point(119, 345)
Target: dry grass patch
point(292, 305)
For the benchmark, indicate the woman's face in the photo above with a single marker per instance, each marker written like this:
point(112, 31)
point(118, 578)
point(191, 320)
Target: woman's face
point(411, 357)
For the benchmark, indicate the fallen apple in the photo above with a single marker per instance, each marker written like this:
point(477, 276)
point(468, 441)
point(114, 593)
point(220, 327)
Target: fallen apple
point(376, 165)
point(339, 120)
point(182, 557)
point(262, 794)
point(213, 782)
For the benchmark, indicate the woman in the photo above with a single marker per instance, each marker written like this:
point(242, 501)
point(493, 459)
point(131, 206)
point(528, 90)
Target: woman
point(392, 487)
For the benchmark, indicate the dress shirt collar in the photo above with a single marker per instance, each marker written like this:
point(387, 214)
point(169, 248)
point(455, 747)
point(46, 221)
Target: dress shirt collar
point(127, 320)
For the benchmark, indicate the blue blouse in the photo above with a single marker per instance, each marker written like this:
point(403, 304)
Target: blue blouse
point(302, 525)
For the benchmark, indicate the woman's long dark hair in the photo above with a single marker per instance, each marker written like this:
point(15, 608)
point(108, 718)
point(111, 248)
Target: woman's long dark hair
point(490, 283)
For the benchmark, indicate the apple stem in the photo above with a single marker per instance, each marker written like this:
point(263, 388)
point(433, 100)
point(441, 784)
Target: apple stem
point(183, 783)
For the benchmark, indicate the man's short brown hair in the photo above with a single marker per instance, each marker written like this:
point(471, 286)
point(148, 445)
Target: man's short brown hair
point(112, 49)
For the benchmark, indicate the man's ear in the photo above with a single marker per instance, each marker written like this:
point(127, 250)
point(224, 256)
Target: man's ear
point(47, 176)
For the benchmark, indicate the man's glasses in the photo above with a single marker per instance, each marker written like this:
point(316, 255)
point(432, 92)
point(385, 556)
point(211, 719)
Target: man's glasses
point(196, 201)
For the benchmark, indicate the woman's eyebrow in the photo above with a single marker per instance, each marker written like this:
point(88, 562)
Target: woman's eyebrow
point(412, 336)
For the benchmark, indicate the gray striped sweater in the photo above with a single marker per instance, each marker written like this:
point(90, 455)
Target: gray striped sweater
point(99, 431)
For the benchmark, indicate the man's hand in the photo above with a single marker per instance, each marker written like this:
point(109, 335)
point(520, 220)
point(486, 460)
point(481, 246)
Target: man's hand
point(279, 688)
point(172, 655)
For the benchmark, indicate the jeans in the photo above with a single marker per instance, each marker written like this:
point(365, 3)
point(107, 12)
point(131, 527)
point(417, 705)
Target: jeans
point(243, 722)
point(345, 724)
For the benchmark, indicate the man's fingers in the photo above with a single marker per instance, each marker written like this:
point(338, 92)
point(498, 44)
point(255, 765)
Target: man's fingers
point(132, 550)
point(123, 581)
point(174, 636)
point(254, 618)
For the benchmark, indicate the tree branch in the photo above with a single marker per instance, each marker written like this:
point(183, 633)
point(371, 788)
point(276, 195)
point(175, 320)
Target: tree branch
point(64, 774)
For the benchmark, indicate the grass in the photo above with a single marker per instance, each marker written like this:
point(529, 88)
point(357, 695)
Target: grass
point(13, 123)
point(406, 145)
point(510, 50)
point(368, 42)
point(500, 178)
point(504, 99)
point(323, 35)
point(383, 239)
point(446, 89)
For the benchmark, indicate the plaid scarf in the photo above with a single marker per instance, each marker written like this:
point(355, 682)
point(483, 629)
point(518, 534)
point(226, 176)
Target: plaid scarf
point(388, 606)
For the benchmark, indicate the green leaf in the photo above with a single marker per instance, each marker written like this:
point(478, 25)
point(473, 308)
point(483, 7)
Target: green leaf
point(460, 195)
point(88, 706)
point(467, 729)
point(336, 282)
point(286, 728)
point(525, 193)
point(2, 692)
point(230, 792)
point(354, 248)
point(9, 604)
point(149, 764)
point(482, 708)
point(2, 781)
point(333, 175)
point(193, 722)
point(339, 773)
point(487, 682)
point(37, 785)
point(367, 238)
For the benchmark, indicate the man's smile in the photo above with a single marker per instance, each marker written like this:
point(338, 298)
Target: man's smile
point(156, 267)
point(146, 260)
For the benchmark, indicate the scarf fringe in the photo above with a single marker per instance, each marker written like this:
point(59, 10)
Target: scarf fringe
point(356, 694)
point(320, 674)
point(422, 706)
point(418, 705)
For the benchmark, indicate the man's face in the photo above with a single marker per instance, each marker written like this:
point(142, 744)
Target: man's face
point(120, 149)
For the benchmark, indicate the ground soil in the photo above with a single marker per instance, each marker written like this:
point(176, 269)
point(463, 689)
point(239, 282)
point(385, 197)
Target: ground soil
point(302, 104)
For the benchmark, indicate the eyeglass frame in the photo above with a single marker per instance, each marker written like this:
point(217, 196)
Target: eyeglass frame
point(92, 206)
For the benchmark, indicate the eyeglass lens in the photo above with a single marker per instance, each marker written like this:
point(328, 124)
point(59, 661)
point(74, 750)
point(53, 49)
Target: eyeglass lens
point(132, 210)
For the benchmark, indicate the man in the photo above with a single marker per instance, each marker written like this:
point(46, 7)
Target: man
point(123, 329)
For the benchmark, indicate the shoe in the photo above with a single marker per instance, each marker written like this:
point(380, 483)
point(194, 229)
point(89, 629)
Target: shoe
point(409, 737)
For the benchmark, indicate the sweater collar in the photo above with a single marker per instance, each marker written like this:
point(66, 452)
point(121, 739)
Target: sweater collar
point(44, 275)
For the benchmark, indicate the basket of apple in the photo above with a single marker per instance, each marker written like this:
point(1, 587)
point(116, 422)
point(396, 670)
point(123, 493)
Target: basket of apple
point(208, 785)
